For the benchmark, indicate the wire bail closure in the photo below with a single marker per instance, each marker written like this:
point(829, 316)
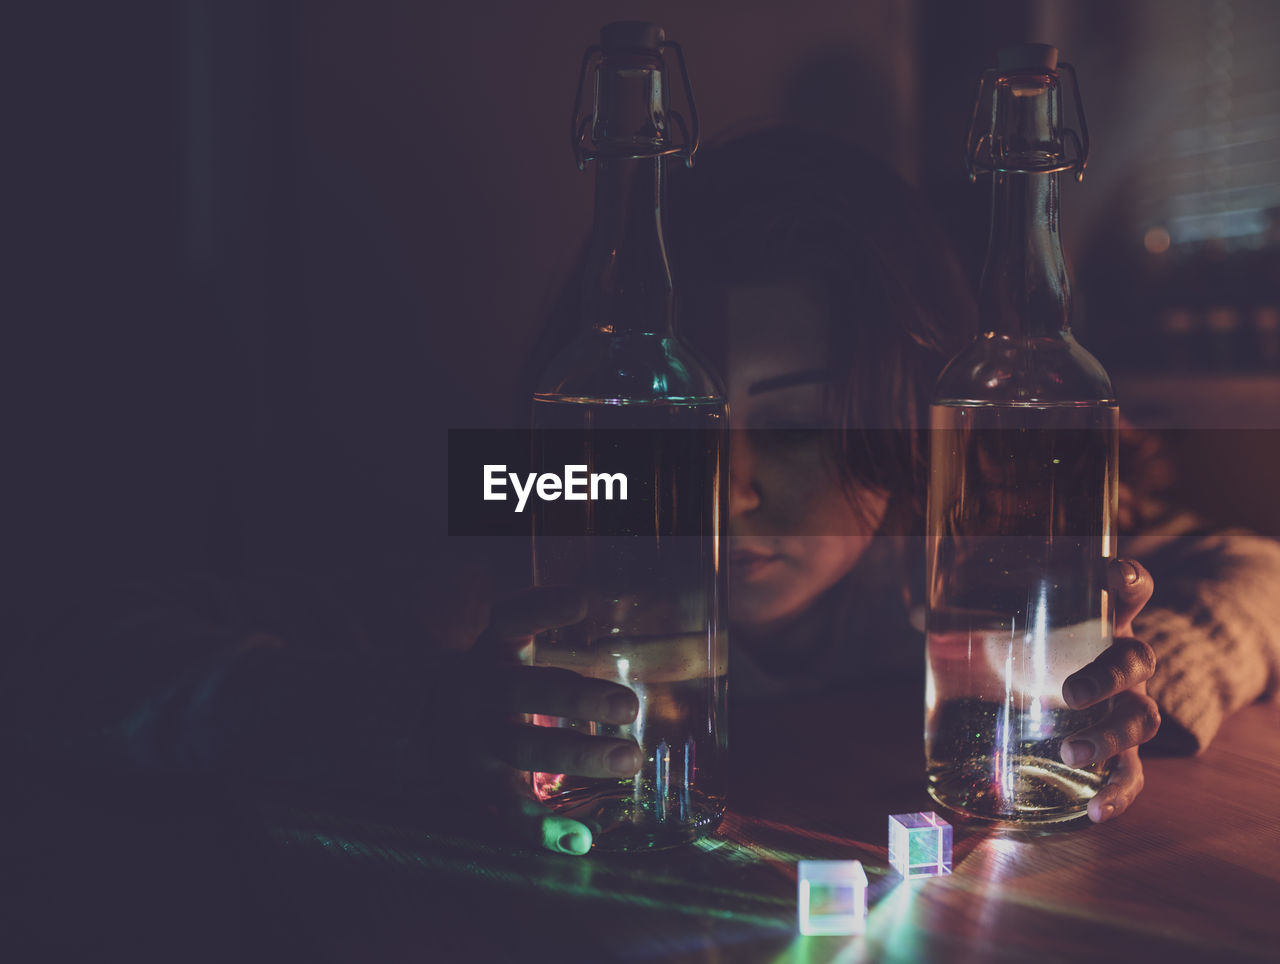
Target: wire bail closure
point(977, 162)
point(585, 148)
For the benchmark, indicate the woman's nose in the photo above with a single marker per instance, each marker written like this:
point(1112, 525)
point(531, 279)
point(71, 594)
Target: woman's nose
point(744, 493)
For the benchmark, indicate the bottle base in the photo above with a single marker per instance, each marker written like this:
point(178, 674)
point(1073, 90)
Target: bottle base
point(1043, 792)
point(622, 824)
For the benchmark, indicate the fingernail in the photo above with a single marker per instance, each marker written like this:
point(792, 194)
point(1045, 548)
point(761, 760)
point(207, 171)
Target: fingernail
point(1131, 576)
point(1108, 811)
point(1081, 691)
point(624, 761)
point(621, 707)
point(575, 842)
point(1078, 753)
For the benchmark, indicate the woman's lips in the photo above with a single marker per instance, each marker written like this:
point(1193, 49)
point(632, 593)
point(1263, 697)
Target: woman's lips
point(751, 565)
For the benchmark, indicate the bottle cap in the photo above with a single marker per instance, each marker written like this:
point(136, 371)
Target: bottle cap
point(631, 35)
point(1028, 57)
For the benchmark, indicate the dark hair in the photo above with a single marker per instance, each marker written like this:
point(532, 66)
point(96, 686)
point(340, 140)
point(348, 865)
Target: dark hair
point(786, 203)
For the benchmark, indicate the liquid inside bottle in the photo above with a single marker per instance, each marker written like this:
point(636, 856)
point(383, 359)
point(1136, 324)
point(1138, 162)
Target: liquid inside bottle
point(651, 569)
point(1021, 501)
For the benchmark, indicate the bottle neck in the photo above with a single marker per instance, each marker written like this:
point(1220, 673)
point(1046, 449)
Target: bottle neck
point(1025, 287)
point(627, 286)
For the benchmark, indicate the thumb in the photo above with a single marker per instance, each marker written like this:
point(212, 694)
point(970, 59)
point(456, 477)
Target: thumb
point(1131, 586)
point(529, 822)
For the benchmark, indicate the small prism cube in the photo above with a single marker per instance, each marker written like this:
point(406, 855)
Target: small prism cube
point(919, 844)
point(832, 897)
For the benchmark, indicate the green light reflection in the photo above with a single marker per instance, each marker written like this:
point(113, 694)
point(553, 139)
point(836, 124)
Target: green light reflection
point(584, 887)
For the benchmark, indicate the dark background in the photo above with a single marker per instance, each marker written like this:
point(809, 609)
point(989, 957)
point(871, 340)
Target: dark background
point(267, 254)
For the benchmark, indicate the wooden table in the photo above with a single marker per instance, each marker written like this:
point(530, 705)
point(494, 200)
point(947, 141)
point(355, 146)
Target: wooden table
point(1191, 872)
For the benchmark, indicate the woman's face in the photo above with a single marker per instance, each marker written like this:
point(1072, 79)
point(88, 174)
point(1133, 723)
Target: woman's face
point(794, 530)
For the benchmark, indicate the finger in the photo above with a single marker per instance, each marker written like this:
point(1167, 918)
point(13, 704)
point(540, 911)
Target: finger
point(653, 659)
point(1133, 720)
point(532, 824)
point(549, 749)
point(563, 835)
point(1124, 784)
point(1124, 664)
point(1131, 586)
point(552, 691)
point(513, 621)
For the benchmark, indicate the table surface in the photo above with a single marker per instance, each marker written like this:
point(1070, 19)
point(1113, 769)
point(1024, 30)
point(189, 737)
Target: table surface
point(1191, 872)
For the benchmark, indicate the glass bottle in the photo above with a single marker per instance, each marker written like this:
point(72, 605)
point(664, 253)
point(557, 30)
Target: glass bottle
point(1023, 490)
point(627, 396)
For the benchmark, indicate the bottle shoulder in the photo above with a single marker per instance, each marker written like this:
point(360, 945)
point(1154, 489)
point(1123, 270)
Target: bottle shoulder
point(631, 366)
point(1024, 369)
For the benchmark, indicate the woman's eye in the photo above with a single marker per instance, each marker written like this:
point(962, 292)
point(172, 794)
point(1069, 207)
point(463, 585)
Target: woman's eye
point(787, 434)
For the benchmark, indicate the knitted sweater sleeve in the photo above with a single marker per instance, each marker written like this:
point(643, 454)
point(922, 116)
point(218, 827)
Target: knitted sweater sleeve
point(1214, 623)
point(1214, 618)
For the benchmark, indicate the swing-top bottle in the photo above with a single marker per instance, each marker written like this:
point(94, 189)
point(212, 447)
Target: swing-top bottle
point(627, 397)
point(1023, 490)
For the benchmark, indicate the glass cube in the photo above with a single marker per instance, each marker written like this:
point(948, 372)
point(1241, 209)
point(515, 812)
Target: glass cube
point(832, 897)
point(919, 844)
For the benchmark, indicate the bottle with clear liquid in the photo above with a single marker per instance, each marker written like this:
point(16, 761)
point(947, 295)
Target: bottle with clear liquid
point(1023, 489)
point(626, 396)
